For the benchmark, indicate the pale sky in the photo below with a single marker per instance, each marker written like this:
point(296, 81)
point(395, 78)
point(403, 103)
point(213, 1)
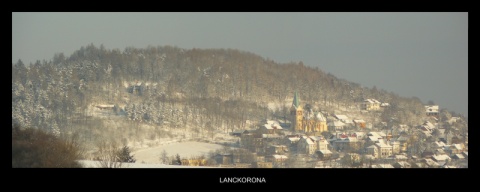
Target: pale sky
point(412, 54)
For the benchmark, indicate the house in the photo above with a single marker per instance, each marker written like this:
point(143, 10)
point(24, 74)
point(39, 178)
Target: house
point(375, 137)
point(324, 154)
point(438, 144)
point(353, 157)
point(336, 125)
point(431, 110)
point(441, 159)
point(427, 154)
point(382, 166)
point(342, 118)
point(242, 165)
point(402, 140)
point(137, 87)
point(224, 158)
point(427, 126)
point(430, 163)
point(370, 105)
point(345, 141)
point(385, 105)
point(384, 149)
point(322, 143)
point(454, 149)
point(372, 150)
point(360, 123)
point(239, 133)
point(439, 152)
point(271, 127)
point(458, 157)
point(419, 165)
point(277, 160)
point(402, 164)
point(454, 120)
point(277, 149)
point(400, 158)
point(253, 142)
point(105, 107)
point(194, 162)
point(292, 139)
point(307, 144)
point(263, 165)
point(360, 135)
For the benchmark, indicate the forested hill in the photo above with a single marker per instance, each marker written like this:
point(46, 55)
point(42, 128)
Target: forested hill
point(219, 84)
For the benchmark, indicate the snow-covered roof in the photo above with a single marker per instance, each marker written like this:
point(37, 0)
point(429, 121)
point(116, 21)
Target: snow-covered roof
point(336, 124)
point(105, 106)
point(341, 117)
point(313, 138)
point(459, 156)
point(383, 166)
point(325, 151)
point(293, 139)
point(371, 147)
point(373, 138)
point(270, 136)
point(383, 145)
point(280, 156)
point(402, 138)
point(403, 164)
point(360, 134)
point(309, 141)
point(430, 162)
point(439, 143)
point(323, 141)
point(272, 126)
point(273, 122)
point(456, 146)
point(431, 108)
point(369, 157)
point(440, 151)
point(372, 101)
point(358, 121)
point(401, 157)
point(440, 157)
point(384, 104)
point(429, 125)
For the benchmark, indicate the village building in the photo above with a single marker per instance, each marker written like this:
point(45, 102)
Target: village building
point(271, 127)
point(263, 165)
point(370, 105)
point(336, 125)
point(402, 164)
point(431, 110)
point(324, 154)
point(307, 145)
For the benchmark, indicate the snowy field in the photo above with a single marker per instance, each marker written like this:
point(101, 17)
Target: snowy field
point(95, 164)
point(184, 149)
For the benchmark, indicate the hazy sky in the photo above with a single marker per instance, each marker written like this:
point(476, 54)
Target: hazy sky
point(412, 54)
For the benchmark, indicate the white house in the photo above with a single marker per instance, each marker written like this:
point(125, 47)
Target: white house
point(431, 110)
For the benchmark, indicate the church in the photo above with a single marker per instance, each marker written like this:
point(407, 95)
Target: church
point(306, 121)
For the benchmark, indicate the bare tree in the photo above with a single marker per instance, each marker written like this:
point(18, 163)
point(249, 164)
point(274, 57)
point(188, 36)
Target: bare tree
point(164, 157)
point(108, 155)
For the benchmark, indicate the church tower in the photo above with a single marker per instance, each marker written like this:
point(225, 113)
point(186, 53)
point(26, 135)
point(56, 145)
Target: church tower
point(297, 112)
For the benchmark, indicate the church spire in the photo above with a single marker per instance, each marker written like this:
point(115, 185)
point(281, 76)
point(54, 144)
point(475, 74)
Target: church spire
point(296, 100)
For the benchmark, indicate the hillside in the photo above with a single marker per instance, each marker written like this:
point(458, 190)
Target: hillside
point(140, 95)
